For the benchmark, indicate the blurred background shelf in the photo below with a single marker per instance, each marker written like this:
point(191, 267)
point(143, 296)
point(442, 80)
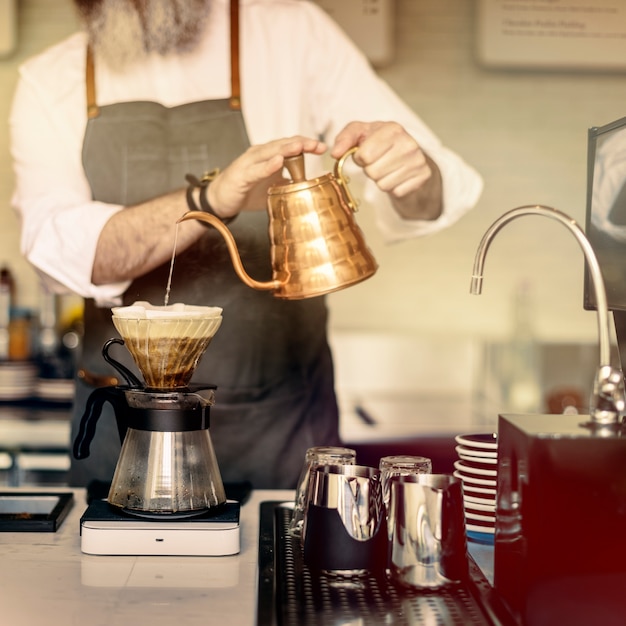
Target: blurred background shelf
point(34, 442)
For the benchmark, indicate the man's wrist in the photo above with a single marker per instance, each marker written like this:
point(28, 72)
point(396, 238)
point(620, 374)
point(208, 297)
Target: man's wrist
point(200, 187)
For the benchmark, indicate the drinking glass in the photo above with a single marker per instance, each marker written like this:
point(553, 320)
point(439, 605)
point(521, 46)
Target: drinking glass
point(401, 465)
point(314, 457)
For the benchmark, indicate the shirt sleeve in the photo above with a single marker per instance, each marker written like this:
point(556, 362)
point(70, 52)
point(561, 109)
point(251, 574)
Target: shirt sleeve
point(360, 94)
point(336, 85)
point(60, 223)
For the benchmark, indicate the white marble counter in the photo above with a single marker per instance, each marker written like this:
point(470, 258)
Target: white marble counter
point(45, 579)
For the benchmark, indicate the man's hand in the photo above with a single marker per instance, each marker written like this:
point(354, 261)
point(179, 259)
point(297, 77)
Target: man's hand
point(244, 183)
point(396, 163)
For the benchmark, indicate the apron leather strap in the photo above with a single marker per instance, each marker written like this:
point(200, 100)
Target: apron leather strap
point(235, 86)
point(92, 105)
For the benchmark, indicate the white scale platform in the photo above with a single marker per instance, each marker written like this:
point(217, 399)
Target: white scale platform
point(105, 531)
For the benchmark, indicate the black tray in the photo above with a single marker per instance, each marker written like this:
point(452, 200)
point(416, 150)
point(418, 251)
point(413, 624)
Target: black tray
point(33, 512)
point(289, 594)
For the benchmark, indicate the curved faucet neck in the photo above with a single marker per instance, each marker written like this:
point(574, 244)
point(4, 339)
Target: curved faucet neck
point(608, 395)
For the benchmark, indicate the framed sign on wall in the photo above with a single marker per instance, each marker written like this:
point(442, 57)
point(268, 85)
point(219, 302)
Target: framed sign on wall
point(552, 34)
point(369, 23)
point(8, 27)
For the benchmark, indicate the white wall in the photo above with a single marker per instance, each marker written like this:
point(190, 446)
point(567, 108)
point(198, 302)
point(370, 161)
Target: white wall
point(524, 131)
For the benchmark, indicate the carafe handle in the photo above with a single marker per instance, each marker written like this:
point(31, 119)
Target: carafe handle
point(90, 417)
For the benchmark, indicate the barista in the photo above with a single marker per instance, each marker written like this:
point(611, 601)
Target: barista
point(102, 143)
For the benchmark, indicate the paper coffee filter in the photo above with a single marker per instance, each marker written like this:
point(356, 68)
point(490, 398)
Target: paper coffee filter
point(141, 310)
point(166, 342)
point(143, 319)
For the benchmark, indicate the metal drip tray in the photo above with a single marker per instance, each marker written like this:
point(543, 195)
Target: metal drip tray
point(289, 594)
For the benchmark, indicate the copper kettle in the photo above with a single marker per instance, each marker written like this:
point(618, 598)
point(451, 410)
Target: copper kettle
point(316, 245)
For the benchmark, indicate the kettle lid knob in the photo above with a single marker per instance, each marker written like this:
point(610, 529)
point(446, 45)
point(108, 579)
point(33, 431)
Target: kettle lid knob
point(295, 167)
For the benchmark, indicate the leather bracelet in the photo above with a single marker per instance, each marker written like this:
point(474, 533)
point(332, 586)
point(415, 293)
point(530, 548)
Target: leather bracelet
point(203, 184)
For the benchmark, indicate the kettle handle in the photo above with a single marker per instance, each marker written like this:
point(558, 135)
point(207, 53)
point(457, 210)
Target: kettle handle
point(344, 180)
point(232, 249)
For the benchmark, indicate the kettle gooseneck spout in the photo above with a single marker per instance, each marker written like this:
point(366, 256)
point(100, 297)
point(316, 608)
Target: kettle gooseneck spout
point(232, 250)
point(607, 401)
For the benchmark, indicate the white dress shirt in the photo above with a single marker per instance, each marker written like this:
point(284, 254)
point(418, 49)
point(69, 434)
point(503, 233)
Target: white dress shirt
point(299, 75)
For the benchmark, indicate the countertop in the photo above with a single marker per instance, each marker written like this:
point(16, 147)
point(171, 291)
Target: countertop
point(46, 579)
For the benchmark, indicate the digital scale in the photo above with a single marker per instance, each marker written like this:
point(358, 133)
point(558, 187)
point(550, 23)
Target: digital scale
point(106, 531)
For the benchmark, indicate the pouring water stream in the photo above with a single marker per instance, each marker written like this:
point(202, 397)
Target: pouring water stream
point(168, 288)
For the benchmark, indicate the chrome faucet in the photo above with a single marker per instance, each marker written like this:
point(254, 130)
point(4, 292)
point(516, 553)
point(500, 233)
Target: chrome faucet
point(607, 399)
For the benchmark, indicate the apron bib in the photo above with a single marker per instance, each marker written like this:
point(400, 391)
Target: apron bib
point(270, 358)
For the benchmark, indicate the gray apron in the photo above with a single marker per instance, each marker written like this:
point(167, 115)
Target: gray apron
point(270, 358)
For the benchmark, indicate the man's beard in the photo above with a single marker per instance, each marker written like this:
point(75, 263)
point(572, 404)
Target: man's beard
point(123, 31)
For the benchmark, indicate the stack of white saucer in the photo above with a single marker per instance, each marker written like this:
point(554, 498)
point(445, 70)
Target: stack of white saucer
point(477, 468)
point(17, 380)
